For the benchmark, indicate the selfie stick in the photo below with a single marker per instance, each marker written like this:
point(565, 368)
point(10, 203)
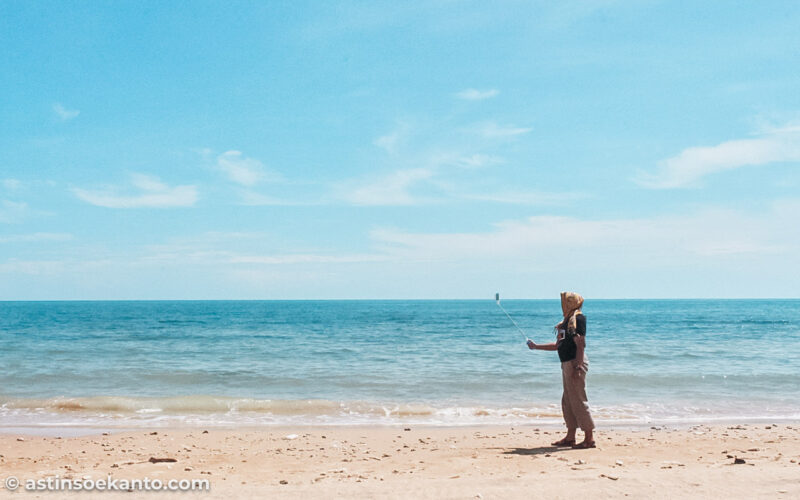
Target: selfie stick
point(497, 299)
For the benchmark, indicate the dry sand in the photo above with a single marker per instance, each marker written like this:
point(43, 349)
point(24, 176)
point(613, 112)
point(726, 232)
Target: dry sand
point(423, 462)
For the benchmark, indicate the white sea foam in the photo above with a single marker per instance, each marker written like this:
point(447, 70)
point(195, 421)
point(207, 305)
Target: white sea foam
point(211, 411)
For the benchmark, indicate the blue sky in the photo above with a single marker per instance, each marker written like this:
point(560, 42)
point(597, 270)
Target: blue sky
point(439, 149)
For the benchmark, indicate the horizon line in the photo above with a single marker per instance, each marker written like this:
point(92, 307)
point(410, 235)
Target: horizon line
point(388, 299)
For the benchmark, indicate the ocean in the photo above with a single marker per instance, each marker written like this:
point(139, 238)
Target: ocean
point(461, 362)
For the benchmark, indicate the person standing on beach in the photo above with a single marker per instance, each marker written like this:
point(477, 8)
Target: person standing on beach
point(571, 344)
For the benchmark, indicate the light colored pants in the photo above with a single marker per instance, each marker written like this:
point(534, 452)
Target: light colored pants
point(574, 403)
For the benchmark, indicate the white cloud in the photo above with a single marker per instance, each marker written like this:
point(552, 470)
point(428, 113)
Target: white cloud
point(393, 189)
point(148, 183)
point(477, 95)
point(223, 249)
point(478, 161)
point(711, 252)
point(521, 197)
point(391, 141)
point(647, 242)
point(63, 113)
point(153, 194)
point(35, 237)
point(306, 259)
point(492, 130)
point(255, 199)
point(692, 164)
point(439, 161)
point(440, 176)
point(12, 211)
point(206, 154)
point(432, 169)
point(32, 267)
point(245, 171)
point(387, 142)
point(11, 184)
point(210, 240)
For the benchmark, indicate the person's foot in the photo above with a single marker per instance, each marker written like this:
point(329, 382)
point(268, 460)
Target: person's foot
point(564, 442)
point(584, 445)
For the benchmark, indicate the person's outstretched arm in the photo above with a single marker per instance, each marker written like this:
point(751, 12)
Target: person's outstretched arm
point(542, 347)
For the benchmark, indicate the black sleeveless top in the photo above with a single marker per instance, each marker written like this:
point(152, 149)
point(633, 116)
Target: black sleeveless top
point(567, 350)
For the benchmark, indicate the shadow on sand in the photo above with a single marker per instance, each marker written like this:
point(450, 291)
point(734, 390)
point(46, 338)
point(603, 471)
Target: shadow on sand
point(536, 451)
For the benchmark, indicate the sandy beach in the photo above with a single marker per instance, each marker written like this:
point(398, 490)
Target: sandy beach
point(423, 462)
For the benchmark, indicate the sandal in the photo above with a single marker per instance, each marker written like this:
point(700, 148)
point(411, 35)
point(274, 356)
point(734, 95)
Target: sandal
point(564, 442)
point(584, 445)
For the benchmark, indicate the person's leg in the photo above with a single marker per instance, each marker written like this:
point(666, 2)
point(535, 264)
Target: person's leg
point(569, 415)
point(579, 404)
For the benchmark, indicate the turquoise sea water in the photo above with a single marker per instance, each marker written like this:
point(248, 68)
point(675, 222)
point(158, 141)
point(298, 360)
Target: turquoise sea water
point(348, 362)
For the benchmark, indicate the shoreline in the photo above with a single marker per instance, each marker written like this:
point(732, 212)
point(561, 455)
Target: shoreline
point(426, 462)
point(92, 429)
point(85, 416)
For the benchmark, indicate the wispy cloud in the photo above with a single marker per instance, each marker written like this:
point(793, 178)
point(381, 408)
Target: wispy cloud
point(240, 249)
point(440, 176)
point(245, 171)
point(152, 194)
point(650, 241)
point(252, 198)
point(391, 141)
point(431, 161)
point(392, 189)
point(32, 267)
point(690, 246)
point(35, 237)
point(777, 145)
point(12, 211)
point(493, 130)
point(478, 161)
point(521, 197)
point(306, 259)
point(63, 113)
point(11, 184)
point(388, 141)
point(476, 95)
